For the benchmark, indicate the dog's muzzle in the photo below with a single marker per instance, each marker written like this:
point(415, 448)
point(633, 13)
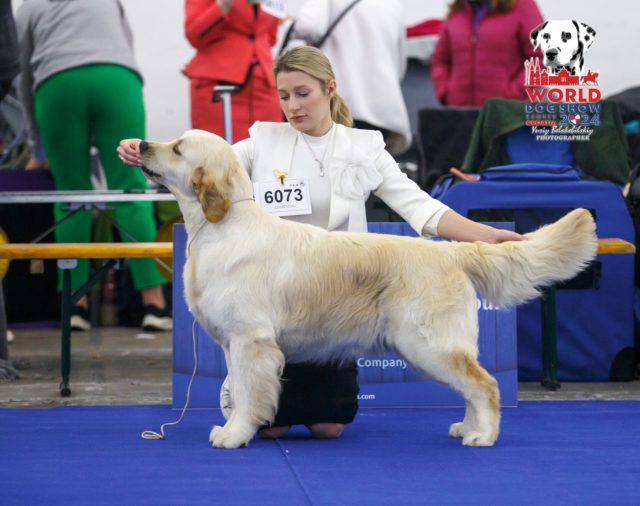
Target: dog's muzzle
point(150, 173)
point(144, 148)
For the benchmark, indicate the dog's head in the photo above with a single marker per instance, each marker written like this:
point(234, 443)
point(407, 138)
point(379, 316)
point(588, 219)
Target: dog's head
point(197, 165)
point(563, 43)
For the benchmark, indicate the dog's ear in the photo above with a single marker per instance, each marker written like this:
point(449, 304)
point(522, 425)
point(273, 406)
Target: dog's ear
point(586, 34)
point(534, 35)
point(212, 192)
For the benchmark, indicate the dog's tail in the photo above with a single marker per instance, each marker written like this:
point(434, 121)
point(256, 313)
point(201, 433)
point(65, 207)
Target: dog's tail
point(513, 272)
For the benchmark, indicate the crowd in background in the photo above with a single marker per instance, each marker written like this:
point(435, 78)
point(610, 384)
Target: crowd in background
point(66, 53)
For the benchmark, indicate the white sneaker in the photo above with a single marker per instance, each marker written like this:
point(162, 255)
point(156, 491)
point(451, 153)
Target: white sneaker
point(226, 403)
point(10, 336)
point(80, 319)
point(156, 319)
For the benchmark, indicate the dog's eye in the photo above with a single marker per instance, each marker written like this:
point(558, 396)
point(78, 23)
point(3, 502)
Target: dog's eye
point(546, 36)
point(176, 150)
point(566, 36)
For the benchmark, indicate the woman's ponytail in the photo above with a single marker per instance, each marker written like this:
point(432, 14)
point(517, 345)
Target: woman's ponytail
point(340, 112)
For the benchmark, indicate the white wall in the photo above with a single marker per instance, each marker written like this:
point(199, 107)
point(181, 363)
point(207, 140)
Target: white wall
point(616, 50)
point(162, 50)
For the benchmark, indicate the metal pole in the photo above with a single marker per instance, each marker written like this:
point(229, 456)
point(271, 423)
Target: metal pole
point(4, 348)
point(549, 339)
point(223, 92)
point(7, 370)
point(65, 349)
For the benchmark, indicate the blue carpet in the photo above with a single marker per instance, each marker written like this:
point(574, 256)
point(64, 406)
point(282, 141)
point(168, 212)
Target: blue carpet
point(564, 453)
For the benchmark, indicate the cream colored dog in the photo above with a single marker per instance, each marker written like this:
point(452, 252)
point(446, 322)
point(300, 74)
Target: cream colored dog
point(267, 289)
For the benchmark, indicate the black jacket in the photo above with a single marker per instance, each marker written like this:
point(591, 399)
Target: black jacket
point(9, 50)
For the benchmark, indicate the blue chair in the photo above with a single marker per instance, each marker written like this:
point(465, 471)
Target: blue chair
point(594, 324)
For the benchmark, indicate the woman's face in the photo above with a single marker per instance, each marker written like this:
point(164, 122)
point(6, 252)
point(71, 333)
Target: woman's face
point(305, 102)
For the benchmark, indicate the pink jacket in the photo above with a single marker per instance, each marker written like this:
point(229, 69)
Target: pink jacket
point(470, 67)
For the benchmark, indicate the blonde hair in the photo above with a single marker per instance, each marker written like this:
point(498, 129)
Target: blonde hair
point(314, 63)
point(494, 5)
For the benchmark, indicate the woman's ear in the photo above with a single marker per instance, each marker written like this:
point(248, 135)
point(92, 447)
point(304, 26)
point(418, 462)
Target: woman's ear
point(212, 192)
point(332, 86)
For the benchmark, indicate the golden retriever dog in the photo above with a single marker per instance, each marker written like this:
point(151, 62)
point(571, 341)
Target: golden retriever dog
point(267, 289)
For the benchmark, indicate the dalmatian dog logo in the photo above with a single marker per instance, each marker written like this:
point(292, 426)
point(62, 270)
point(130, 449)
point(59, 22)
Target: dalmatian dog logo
point(563, 44)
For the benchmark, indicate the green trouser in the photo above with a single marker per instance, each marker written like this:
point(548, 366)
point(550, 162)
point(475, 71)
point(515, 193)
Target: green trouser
point(96, 105)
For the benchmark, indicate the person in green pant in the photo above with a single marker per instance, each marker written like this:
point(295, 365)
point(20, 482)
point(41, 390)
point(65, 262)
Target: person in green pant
point(81, 87)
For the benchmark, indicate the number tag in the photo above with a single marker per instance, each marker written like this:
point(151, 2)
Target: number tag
point(276, 8)
point(288, 199)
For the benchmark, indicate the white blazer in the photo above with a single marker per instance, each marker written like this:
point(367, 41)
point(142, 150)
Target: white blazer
point(359, 165)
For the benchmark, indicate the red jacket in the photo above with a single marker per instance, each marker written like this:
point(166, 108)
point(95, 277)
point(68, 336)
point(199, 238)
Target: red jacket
point(227, 45)
point(468, 68)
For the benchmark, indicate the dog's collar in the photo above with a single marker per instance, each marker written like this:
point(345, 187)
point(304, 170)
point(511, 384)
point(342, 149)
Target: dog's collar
point(192, 238)
point(241, 200)
point(204, 222)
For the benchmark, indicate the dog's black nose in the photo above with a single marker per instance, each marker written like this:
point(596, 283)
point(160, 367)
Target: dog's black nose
point(144, 146)
point(551, 54)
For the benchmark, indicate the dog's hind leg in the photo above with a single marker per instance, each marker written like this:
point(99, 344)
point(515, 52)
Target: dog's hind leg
point(460, 429)
point(462, 372)
point(257, 364)
point(481, 424)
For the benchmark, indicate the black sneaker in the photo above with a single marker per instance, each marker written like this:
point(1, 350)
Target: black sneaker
point(80, 319)
point(156, 319)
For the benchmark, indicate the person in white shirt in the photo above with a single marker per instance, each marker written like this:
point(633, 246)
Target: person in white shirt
point(367, 49)
point(340, 166)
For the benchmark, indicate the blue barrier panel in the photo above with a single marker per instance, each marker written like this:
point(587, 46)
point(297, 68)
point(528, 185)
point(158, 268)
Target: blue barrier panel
point(385, 380)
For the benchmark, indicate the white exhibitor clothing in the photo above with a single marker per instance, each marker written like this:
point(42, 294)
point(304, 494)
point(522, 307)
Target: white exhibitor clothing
point(367, 50)
point(342, 168)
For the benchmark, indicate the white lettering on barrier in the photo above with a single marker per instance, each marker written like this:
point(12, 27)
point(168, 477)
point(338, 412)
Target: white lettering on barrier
point(486, 305)
point(383, 363)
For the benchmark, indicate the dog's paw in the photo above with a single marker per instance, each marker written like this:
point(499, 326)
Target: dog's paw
point(221, 437)
point(215, 431)
point(474, 438)
point(458, 430)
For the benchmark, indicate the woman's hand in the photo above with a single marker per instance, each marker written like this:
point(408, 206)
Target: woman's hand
point(224, 5)
point(35, 163)
point(129, 152)
point(456, 227)
point(500, 235)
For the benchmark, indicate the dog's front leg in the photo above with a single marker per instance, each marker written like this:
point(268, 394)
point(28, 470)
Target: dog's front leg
point(257, 364)
point(226, 394)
